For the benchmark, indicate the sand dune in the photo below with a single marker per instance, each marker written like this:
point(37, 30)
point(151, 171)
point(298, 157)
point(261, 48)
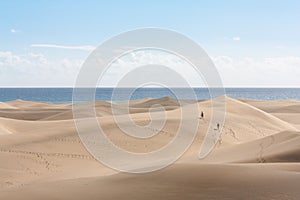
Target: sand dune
point(104, 108)
point(280, 147)
point(271, 106)
point(42, 157)
point(188, 181)
point(286, 110)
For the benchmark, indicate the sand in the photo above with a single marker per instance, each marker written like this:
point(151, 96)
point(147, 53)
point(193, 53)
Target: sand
point(257, 156)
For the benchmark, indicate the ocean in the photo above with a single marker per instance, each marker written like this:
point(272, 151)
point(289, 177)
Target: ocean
point(61, 95)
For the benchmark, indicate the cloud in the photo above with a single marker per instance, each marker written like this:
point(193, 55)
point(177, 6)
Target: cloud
point(128, 63)
point(236, 38)
point(268, 72)
point(7, 58)
point(34, 70)
point(83, 48)
point(13, 30)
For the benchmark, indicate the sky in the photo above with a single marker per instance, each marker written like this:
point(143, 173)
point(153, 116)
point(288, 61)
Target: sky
point(252, 43)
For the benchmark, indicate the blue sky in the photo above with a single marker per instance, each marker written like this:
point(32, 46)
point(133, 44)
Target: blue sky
point(232, 33)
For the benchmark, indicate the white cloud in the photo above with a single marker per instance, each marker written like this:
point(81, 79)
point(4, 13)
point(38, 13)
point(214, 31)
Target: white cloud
point(268, 72)
point(236, 38)
point(84, 47)
point(7, 58)
point(128, 63)
point(36, 70)
point(13, 30)
point(235, 72)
